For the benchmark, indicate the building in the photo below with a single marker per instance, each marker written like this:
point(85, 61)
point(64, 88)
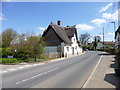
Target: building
point(99, 45)
point(62, 39)
point(117, 38)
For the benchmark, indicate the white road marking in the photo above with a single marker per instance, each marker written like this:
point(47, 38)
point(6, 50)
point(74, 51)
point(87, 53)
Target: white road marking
point(37, 75)
point(86, 83)
point(20, 67)
point(35, 64)
point(27, 65)
point(4, 71)
point(41, 63)
point(11, 69)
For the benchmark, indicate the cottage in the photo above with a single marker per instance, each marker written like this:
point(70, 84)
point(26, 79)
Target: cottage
point(117, 38)
point(62, 39)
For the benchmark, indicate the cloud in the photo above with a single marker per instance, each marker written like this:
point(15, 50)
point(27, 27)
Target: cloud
point(2, 17)
point(98, 22)
point(41, 28)
point(113, 16)
point(105, 8)
point(84, 27)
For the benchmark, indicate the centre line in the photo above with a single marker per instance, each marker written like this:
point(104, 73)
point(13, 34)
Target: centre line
point(37, 75)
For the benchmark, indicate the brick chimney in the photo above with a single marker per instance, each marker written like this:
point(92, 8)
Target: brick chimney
point(59, 23)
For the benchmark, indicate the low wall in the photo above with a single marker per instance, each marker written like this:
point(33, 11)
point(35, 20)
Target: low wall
point(53, 55)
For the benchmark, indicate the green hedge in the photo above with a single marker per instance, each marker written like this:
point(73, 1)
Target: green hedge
point(9, 60)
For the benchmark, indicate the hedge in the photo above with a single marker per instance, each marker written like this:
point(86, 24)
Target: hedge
point(9, 60)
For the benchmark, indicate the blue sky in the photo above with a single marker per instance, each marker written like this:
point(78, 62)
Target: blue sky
point(34, 17)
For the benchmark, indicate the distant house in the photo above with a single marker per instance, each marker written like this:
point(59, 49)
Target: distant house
point(99, 45)
point(117, 38)
point(62, 39)
point(107, 44)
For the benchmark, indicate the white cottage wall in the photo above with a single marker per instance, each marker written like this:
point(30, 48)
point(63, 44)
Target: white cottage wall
point(72, 49)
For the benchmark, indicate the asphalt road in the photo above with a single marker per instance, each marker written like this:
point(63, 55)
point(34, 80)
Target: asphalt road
point(68, 73)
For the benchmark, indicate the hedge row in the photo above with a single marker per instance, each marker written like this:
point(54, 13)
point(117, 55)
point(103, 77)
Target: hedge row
point(9, 60)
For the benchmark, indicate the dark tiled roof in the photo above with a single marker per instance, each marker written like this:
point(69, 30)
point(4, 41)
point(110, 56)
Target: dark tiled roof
point(108, 43)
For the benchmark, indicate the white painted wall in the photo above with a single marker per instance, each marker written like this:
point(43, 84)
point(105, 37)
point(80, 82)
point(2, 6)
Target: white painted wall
point(77, 49)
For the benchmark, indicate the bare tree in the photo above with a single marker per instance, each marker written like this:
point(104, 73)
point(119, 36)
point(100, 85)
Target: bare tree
point(84, 38)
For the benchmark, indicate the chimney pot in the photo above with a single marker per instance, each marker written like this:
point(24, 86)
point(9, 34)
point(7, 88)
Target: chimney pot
point(59, 22)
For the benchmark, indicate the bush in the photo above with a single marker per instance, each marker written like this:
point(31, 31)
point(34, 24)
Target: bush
point(6, 52)
point(110, 51)
point(9, 60)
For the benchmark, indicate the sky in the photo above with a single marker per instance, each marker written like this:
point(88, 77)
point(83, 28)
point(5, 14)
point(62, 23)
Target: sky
point(34, 17)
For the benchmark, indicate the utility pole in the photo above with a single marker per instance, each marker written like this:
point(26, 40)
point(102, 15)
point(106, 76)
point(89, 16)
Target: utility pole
point(114, 25)
point(114, 32)
point(103, 37)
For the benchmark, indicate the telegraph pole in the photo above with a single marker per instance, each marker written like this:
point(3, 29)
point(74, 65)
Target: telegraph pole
point(114, 32)
point(103, 37)
point(114, 25)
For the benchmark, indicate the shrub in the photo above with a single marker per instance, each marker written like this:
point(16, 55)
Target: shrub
point(110, 51)
point(6, 52)
point(9, 60)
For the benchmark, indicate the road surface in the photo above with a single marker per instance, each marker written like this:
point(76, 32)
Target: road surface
point(68, 73)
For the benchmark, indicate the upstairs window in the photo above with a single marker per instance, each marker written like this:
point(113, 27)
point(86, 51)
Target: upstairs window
point(74, 40)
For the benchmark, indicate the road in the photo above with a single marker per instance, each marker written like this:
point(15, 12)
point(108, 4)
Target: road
point(68, 73)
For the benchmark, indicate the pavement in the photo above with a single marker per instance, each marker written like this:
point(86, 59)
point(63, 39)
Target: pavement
point(103, 75)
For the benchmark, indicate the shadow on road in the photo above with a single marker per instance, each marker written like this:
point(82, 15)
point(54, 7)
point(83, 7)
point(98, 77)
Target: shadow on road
point(104, 54)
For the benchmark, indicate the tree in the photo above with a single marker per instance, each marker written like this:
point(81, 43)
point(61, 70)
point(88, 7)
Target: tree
point(96, 40)
point(7, 36)
point(84, 38)
point(28, 47)
point(95, 43)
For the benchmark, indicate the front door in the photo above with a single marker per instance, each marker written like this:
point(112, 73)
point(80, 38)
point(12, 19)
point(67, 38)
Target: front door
point(72, 50)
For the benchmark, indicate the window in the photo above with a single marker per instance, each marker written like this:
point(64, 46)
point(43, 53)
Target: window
point(74, 40)
point(76, 47)
point(67, 48)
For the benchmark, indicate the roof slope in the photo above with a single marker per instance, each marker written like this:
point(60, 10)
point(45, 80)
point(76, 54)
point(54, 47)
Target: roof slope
point(71, 30)
point(61, 33)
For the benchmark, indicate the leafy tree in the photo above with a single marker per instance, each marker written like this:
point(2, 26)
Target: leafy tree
point(95, 42)
point(29, 47)
point(5, 52)
point(7, 36)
